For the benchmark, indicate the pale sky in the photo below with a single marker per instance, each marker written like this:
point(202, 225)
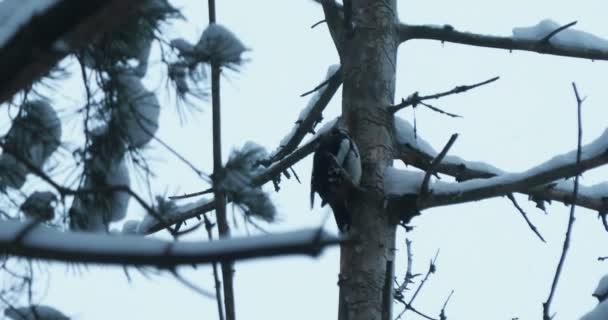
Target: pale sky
point(494, 263)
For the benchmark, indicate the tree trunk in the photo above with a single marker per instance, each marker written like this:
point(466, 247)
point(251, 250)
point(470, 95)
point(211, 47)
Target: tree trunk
point(369, 60)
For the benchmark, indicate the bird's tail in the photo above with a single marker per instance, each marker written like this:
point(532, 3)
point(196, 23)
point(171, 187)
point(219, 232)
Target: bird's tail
point(342, 216)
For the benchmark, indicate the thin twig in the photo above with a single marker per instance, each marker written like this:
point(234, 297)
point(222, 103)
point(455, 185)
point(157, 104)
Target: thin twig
point(409, 276)
point(191, 195)
point(432, 269)
point(216, 277)
point(453, 115)
point(414, 99)
point(317, 88)
point(442, 315)
point(558, 271)
point(525, 216)
point(192, 286)
point(317, 23)
point(424, 187)
point(220, 196)
point(556, 31)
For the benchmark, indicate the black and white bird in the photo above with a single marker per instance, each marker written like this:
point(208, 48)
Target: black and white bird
point(337, 154)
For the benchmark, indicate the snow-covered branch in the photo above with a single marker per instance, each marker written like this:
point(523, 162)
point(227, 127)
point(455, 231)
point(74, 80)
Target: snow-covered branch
point(310, 116)
point(541, 38)
point(419, 153)
point(37, 241)
point(199, 207)
point(35, 35)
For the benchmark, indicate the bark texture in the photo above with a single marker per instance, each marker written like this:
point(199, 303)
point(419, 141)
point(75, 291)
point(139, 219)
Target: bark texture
point(369, 58)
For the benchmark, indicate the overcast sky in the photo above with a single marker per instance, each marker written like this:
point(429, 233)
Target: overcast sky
point(494, 263)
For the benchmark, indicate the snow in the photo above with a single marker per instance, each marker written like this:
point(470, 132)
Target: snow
point(473, 165)
point(130, 227)
point(35, 135)
point(34, 312)
point(140, 113)
point(219, 44)
point(600, 312)
point(569, 37)
point(594, 149)
point(405, 135)
point(92, 214)
point(400, 182)
point(326, 127)
point(599, 190)
point(16, 13)
point(601, 292)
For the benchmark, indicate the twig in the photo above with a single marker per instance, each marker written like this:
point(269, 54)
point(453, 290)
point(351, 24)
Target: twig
point(220, 196)
point(416, 311)
point(192, 286)
point(556, 31)
point(317, 23)
point(558, 271)
point(317, 88)
point(525, 216)
point(216, 277)
point(414, 99)
point(424, 187)
point(432, 269)
point(453, 115)
point(602, 258)
point(190, 195)
point(409, 276)
point(442, 315)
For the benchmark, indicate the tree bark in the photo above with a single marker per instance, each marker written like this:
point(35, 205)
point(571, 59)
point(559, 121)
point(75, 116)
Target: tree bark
point(369, 60)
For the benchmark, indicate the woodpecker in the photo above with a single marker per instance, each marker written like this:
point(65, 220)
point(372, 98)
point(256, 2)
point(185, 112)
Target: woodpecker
point(337, 154)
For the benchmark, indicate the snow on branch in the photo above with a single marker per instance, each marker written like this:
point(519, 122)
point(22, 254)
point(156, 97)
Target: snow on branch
point(34, 240)
point(44, 31)
point(197, 208)
point(419, 153)
point(310, 116)
point(546, 37)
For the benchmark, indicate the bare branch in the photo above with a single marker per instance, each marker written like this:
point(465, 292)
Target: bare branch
point(46, 243)
point(190, 195)
point(525, 216)
point(448, 34)
point(415, 99)
point(424, 188)
point(571, 218)
point(556, 31)
point(442, 315)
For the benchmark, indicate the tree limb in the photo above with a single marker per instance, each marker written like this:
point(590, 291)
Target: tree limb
point(194, 210)
point(463, 170)
point(449, 34)
point(306, 125)
point(593, 155)
point(46, 243)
